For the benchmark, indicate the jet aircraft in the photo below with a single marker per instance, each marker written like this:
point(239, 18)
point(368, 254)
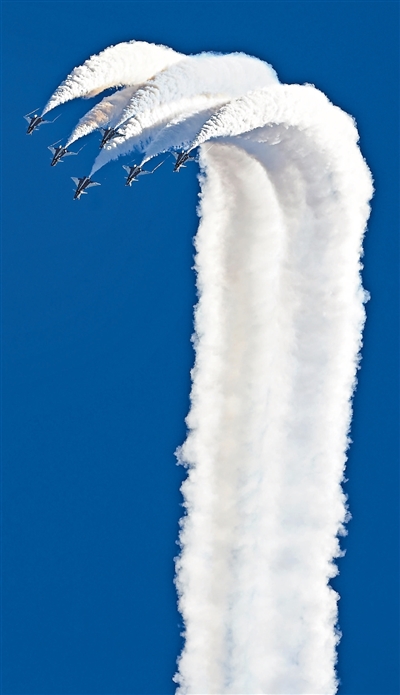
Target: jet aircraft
point(59, 152)
point(181, 159)
point(35, 121)
point(137, 170)
point(82, 184)
point(108, 134)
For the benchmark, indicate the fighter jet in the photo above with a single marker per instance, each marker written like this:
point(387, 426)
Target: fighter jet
point(137, 170)
point(181, 159)
point(82, 184)
point(35, 121)
point(108, 134)
point(59, 152)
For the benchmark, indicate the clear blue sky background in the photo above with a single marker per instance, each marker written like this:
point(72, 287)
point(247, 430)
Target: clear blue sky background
point(97, 318)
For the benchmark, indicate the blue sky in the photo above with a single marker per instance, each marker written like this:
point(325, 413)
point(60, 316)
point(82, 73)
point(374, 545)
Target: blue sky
point(97, 318)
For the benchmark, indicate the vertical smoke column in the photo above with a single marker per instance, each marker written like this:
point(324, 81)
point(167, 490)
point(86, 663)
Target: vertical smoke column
point(278, 330)
point(284, 204)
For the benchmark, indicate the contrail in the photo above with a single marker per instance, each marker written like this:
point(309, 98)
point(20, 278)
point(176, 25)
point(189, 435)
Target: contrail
point(217, 78)
point(188, 112)
point(129, 63)
point(179, 132)
point(105, 113)
point(278, 330)
point(205, 73)
point(284, 204)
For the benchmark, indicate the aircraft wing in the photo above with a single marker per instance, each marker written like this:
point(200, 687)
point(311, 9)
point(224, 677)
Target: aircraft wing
point(75, 180)
point(52, 149)
point(93, 183)
point(124, 166)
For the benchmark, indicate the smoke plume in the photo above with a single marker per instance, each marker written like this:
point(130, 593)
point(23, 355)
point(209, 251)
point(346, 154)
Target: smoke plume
point(284, 204)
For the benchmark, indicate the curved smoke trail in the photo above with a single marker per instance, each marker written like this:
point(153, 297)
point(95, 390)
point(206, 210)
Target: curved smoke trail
point(284, 205)
point(213, 78)
point(105, 113)
point(125, 64)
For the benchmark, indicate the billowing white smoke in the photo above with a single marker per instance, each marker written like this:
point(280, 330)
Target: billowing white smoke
point(202, 74)
point(284, 205)
point(278, 330)
point(105, 113)
point(179, 132)
point(214, 79)
point(190, 113)
point(125, 64)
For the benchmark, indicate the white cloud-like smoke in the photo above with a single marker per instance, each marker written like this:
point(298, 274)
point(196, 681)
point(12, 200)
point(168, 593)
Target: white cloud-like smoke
point(105, 114)
point(284, 204)
point(126, 64)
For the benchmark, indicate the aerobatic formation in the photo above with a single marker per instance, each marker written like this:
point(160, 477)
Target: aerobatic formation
point(284, 203)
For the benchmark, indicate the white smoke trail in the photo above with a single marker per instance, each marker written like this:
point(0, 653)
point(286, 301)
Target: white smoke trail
point(179, 133)
point(278, 329)
point(104, 114)
point(165, 131)
point(125, 64)
point(277, 104)
point(284, 205)
point(169, 94)
point(233, 74)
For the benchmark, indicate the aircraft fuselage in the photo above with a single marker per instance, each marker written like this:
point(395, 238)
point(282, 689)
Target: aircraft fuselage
point(133, 174)
point(108, 134)
point(59, 152)
point(82, 184)
point(35, 122)
point(181, 159)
